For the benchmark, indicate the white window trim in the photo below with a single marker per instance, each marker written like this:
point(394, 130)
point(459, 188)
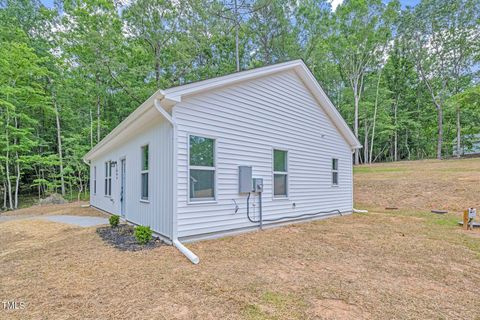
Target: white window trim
point(214, 168)
point(337, 171)
point(108, 177)
point(144, 200)
point(286, 173)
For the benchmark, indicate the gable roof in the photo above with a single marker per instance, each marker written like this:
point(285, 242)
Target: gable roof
point(174, 95)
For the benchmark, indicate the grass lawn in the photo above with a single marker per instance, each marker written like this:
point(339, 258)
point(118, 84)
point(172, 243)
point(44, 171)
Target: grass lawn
point(402, 264)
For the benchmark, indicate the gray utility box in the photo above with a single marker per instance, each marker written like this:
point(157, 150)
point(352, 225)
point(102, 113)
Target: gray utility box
point(245, 179)
point(257, 185)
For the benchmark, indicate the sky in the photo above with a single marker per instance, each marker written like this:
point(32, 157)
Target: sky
point(335, 3)
point(405, 3)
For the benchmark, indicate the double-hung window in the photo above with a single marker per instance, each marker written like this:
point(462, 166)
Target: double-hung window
point(280, 173)
point(335, 172)
point(108, 178)
point(144, 173)
point(201, 168)
point(95, 180)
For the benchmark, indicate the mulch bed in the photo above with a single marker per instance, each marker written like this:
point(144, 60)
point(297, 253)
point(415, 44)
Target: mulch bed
point(123, 239)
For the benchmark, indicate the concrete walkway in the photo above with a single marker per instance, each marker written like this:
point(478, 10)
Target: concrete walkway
point(80, 221)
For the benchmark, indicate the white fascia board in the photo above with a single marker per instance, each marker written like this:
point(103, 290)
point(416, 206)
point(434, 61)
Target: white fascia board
point(176, 93)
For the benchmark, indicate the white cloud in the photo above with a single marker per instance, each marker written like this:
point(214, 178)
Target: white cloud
point(335, 4)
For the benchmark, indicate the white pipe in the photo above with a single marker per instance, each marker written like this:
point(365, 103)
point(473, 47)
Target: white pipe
point(359, 211)
point(189, 254)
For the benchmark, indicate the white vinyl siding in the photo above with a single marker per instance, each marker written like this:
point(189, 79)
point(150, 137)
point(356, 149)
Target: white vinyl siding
point(248, 121)
point(157, 213)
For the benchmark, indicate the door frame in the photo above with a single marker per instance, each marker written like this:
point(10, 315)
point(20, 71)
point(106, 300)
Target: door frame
point(123, 185)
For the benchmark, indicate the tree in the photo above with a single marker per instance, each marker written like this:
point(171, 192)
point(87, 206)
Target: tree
point(443, 38)
point(21, 93)
point(358, 41)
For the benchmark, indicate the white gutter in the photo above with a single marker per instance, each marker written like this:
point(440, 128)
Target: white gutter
point(189, 254)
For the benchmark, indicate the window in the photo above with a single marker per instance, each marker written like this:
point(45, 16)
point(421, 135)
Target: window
point(108, 178)
point(201, 168)
point(280, 173)
point(335, 172)
point(144, 173)
point(95, 180)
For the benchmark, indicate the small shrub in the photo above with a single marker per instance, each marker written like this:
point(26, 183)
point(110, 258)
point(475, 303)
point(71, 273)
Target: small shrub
point(114, 220)
point(143, 234)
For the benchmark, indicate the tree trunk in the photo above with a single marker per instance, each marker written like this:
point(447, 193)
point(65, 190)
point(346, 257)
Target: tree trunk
point(374, 117)
point(98, 112)
point(17, 168)
point(365, 144)
point(237, 58)
point(7, 165)
point(395, 136)
point(4, 195)
point(17, 182)
point(60, 153)
point(91, 129)
point(80, 189)
point(8, 183)
point(440, 131)
point(355, 123)
point(459, 134)
point(157, 67)
point(407, 146)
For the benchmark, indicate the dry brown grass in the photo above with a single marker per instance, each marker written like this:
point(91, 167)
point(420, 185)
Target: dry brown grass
point(73, 208)
point(382, 265)
point(430, 184)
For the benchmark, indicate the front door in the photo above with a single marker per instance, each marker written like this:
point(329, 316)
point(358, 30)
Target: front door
point(123, 194)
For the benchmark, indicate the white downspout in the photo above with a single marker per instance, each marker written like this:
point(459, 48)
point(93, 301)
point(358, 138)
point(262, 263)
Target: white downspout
point(359, 211)
point(189, 254)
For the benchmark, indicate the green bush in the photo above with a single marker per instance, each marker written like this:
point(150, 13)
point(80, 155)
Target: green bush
point(143, 234)
point(114, 220)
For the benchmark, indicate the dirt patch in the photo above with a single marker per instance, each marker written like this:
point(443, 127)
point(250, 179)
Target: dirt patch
point(337, 309)
point(123, 239)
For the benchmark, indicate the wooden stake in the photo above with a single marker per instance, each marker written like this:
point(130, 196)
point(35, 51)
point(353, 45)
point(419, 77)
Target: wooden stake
point(465, 219)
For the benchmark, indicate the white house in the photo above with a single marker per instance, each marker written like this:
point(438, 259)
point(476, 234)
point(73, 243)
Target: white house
point(184, 162)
